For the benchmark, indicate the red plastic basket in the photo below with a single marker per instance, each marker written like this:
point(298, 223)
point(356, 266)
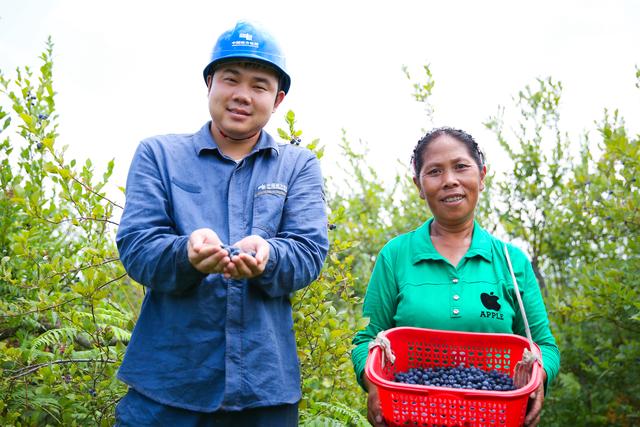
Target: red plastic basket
point(418, 405)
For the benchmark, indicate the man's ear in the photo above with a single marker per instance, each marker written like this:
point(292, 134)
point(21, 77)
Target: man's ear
point(279, 98)
point(417, 183)
point(209, 82)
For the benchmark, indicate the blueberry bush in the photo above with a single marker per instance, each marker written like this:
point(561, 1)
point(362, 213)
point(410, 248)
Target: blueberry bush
point(66, 310)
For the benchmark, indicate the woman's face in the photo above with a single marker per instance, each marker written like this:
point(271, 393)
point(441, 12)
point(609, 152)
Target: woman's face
point(450, 180)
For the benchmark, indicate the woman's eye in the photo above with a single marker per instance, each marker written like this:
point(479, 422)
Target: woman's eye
point(433, 171)
point(461, 166)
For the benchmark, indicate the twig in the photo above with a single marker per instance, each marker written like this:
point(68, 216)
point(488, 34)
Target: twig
point(32, 368)
point(80, 218)
point(77, 270)
point(95, 192)
point(7, 316)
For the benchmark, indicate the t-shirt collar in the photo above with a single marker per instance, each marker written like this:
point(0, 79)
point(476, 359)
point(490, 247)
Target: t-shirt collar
point(423, 249)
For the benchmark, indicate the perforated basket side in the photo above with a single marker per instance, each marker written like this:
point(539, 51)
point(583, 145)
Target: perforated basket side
point(425, 405)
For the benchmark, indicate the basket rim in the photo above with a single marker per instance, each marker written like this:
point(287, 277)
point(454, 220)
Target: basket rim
point(375, 354)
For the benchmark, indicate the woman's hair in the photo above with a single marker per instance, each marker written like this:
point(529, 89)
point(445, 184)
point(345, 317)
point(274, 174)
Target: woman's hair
point(460, 135)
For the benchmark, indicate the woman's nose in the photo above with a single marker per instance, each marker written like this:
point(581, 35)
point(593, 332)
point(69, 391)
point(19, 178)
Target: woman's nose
point(449, 179)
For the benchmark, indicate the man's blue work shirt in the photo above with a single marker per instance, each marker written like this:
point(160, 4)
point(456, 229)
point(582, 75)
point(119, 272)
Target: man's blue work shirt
point(203, 342)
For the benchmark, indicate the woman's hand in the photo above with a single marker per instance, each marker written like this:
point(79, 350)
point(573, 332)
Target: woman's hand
point(374, 414)
point(535, 404)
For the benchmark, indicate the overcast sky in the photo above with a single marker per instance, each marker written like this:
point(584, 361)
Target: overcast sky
point(125, 70)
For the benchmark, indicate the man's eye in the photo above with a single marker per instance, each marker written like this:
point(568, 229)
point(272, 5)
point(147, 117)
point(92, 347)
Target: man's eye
point(229, 79)
point(260, 88)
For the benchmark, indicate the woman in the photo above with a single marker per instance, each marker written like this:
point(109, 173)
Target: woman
point(450, 273)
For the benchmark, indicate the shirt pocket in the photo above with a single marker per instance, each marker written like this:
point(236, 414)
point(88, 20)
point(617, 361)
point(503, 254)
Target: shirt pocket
point(188, 206)
point(185, 186)
point(267, 212)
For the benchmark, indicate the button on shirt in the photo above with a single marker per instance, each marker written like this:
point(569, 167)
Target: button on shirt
point(203, 342)
point(413, 285)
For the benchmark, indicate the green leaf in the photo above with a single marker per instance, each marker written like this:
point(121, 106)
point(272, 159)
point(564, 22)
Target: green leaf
point(284, 135)
point(48, 142)
point(27, 118)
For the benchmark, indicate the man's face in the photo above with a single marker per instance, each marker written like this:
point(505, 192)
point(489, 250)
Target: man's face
point(242, 99)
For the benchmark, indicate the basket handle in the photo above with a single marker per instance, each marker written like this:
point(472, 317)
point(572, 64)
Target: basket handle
point(385, 345)
point(519, 298)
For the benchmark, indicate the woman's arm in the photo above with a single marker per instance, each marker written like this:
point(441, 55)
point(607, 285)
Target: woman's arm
point(379, 306)
point(534, 406)
point(374, 415)
point(536, 315)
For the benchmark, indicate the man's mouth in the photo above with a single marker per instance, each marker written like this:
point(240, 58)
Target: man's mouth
point(238, 111)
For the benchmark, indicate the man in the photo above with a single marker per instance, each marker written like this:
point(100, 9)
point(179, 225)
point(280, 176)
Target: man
point(214, 343)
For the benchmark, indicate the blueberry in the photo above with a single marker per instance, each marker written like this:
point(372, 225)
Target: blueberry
point(234, 251)
point(457, 377)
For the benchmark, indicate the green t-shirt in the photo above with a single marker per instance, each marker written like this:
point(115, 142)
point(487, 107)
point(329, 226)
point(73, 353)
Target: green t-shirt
point(413, 285)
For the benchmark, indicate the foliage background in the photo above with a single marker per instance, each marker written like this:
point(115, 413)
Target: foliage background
point(67, 307)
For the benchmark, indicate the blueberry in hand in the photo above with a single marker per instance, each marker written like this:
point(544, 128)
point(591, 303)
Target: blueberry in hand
point(234, 250)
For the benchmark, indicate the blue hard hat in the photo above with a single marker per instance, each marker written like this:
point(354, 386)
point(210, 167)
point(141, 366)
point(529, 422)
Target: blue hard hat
point(247, 41)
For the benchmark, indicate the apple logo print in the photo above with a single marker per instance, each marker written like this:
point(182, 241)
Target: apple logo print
point(490, 301)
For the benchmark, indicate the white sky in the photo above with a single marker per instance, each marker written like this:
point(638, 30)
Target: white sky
point(125, 70)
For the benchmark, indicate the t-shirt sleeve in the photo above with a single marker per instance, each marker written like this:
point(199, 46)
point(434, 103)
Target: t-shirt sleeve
point(536, 316)
point(379, 306)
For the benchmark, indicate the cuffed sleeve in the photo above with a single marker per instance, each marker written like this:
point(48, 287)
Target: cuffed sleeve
point(298, 250)
point(150, 250)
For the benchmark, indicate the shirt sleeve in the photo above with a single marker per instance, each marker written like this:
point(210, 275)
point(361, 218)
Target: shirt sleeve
point(150, 250)
point(379, 306)
point(298, 250)
point(536, 316)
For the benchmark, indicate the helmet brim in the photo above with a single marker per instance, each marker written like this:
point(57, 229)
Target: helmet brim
point(285, 80)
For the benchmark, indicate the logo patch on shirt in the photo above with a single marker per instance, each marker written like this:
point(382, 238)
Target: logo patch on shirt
point(490, 302)
point(274, 188)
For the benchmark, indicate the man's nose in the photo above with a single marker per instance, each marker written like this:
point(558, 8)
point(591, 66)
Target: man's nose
point(241, 93)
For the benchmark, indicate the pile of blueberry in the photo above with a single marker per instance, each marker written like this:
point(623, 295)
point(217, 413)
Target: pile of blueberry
point(233, 250)
point(457, 377)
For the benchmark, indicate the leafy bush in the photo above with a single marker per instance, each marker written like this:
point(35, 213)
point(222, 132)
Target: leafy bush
point(580, 220)
point(65, 314)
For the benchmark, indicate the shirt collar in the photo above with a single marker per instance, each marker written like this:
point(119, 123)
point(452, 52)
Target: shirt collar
point(203, 140)
point(423, 249)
